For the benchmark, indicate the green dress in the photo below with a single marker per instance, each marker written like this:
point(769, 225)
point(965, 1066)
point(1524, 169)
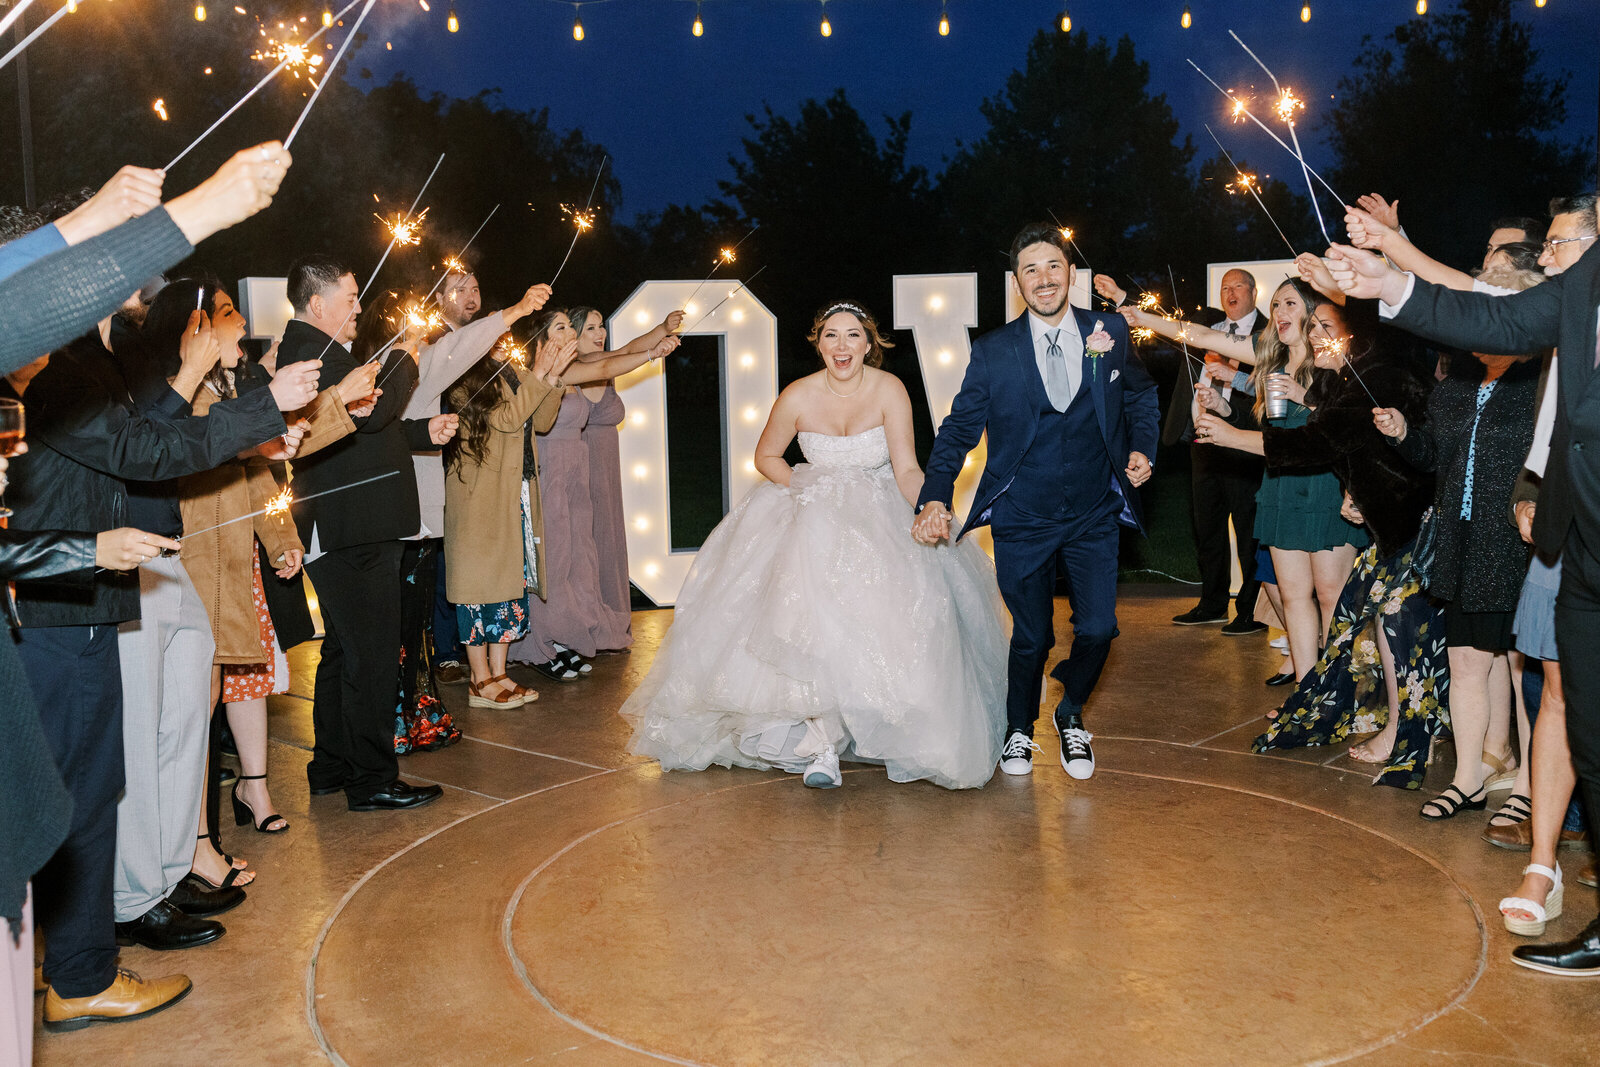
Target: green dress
point(1300, 512)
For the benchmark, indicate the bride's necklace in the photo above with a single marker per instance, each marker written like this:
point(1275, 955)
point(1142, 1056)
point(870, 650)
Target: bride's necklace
point(860, 380)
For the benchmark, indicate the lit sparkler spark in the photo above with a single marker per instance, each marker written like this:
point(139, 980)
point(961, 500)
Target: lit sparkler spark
point(1148, 302)
point(727, 255)
point(1239, 113)
point(279, 504)
point(1244, 183)
point(424, 318)
point(452, 265)
point(1287, 104)
point(515, 353)
point(296, 56)
point(1066, 233)
point(160, 108)
point(583, 220)
point(1334, 346)
point(405, 230)
point(1143, 335)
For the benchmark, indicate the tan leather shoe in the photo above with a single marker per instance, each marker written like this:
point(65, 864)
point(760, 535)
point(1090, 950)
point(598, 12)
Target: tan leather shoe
point(127, 997)
point(1586, 875)
point(1518, 837)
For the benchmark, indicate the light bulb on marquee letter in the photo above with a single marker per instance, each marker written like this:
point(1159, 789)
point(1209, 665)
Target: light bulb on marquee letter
point(748, 343)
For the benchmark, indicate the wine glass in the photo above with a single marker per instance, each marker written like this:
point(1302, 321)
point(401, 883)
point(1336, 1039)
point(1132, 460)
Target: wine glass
point(11, 431)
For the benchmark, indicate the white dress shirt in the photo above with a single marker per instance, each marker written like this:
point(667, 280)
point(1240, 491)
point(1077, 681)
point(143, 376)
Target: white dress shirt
point(1071, 350)
point(1244, 324)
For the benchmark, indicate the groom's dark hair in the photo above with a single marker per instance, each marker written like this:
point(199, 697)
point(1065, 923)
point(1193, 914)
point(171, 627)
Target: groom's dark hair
point(1036, 233)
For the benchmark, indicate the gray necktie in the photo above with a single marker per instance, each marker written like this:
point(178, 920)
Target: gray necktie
point(1057, 386)
point(1233, 329)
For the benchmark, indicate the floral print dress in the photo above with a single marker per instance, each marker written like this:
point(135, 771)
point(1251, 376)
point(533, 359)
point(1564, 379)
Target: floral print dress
point(1344, 693)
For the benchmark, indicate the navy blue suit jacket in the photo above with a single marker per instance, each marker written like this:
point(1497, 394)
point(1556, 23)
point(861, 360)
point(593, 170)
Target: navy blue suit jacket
point(1003, 393)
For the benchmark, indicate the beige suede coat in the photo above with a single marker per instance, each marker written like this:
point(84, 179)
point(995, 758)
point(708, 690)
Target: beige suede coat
point(482, 502)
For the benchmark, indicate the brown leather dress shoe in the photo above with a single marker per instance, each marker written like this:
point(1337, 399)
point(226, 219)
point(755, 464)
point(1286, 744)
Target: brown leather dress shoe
point(127, 997)
point(450, 673)
point(1519, 837)
point(1586, 875)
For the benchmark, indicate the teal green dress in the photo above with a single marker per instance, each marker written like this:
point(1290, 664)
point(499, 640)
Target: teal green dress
point(1300, 512)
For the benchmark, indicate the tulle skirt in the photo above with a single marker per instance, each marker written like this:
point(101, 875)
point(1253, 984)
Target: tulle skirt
point(813, 603)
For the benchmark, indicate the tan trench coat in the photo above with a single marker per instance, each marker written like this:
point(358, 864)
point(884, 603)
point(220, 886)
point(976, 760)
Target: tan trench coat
point(482, 502)
point(218, 562)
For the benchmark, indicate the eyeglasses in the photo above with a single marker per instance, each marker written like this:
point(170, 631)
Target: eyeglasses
point(1550, 246)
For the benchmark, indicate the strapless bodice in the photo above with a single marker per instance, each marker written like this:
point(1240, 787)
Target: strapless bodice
point(866, 450)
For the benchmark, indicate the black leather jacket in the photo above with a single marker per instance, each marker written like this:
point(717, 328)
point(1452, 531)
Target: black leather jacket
point(54, 554)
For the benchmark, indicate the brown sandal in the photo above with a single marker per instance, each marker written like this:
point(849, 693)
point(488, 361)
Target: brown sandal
point(478, 697)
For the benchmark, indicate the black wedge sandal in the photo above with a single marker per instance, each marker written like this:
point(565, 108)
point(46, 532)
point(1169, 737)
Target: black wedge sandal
point(244, 813)
point(1453, 802)
point(1516, 809)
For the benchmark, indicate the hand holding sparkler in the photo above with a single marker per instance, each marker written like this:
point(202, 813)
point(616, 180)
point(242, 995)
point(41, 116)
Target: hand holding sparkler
point(295, 386)
point(1314, 272)
point(533, 300)
point(131, 192)
point(1108, 289)
point(1212, 429)
point(126, 548)
point(360, 385)
point(198, 352)
point(1367, 231)
point(1390, 423)
point(241, 187)
point(1365, 276)
point(665, 347)
point(1207, 398)
point(441, 428)
point(282, 449)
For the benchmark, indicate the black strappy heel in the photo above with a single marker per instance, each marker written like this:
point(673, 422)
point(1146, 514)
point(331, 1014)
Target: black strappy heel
point(244, 813)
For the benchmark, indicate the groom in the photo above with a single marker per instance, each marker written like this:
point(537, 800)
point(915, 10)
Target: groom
point(1073, 419)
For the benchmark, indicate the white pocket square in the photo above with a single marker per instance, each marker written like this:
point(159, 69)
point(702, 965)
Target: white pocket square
point(1114, 376)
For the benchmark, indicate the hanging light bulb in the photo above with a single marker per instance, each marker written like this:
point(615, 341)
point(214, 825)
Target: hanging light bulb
point(826, 27)
point(1188, 19)
point(1538, 3)
point(72, 7)
point(1066, 21)
point(944, 20)
point(577, 23)
point(699, 28)
point(452, 23)
point(327, 17)
point(1422, 7)
point(1305, 13)
point(199, 12)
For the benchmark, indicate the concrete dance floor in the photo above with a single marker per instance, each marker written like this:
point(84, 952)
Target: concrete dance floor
point(567, 903)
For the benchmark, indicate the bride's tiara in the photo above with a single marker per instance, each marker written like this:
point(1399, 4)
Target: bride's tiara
point(845, 305)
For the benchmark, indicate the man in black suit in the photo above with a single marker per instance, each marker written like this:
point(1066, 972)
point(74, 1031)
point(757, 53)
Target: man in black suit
point(1564, 313)
point(353, 546)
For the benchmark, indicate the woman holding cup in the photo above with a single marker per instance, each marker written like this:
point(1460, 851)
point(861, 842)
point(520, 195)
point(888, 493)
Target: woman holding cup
point(1298, 516)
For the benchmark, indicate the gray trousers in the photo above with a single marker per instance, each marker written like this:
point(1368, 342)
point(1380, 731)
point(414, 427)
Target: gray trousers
point(166, 720)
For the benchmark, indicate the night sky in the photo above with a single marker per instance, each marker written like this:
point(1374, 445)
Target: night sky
point(670, 107)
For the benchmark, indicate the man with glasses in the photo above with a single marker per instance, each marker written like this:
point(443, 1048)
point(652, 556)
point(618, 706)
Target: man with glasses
point(1572, 228)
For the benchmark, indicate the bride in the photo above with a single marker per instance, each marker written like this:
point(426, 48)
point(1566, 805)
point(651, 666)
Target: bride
point(811, 629)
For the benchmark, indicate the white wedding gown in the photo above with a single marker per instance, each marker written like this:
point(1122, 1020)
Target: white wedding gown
point(812, 602)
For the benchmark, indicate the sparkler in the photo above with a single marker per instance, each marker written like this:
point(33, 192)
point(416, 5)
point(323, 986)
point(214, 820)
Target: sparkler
point(403, 229)
point(1248, 183)
point(37, 33)
point(16, 12)
point(323, 84)
point(452, 265)
point(1287, 104)
point(160, 108)
point(279, 504)
point(515, 356)
point(581, 220)
point(726, 255)
point(731, 294)
point(1339, 346)
point(1241, 108)
point(262, 84)
point(1183, 338)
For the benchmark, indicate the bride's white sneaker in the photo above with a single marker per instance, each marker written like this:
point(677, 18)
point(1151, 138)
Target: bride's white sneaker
point(1017, 755)
point(824, 770)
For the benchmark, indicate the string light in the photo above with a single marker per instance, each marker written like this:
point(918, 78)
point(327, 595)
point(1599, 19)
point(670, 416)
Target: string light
point(1305, 13)
point(1066, 21)
point(1538, 3)
point(452, 23)
point(699, 27)
point(826, 27)
point(577, 28)
point(1187, 20)
point(1422, 7)
point(199, 12)
point(327, 17)
point(944, 20)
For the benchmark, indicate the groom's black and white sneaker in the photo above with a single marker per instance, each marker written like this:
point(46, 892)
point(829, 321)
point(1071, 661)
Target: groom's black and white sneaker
point(1017, 755)
point(1077, 755)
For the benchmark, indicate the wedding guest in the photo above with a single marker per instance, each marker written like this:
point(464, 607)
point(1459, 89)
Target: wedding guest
point(1298, 515)
point(1223, 482)
point(491, 536)
point(566, 621)
point(420, 721)
point(353, 537)
point(1479, 428)
point(86, 437)
point(1384, 589)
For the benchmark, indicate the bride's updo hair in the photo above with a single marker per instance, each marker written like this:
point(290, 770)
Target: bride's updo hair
point(876, 342)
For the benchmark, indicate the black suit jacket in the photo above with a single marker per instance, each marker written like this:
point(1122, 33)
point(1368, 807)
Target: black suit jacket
point(384, 510)
point(1562, 312)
